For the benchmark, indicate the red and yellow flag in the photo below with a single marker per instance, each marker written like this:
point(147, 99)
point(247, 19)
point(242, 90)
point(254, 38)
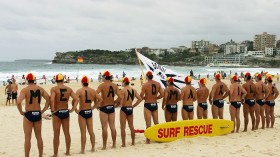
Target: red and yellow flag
point(80, 59)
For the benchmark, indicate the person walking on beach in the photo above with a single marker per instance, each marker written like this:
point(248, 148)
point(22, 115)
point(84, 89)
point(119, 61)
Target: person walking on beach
point(128, 94)
point(108, 92)
point(237, 93)
point(14, 91)
point(8, 92)
point(59, 98)
point(86, 97)
point(141, 80)
point(261, 94)
point(202, 95)
point(188, 96)
point(249, 103)
point(216, 97)
point(151, 91)
point(32, 116)
point(170, 99)
point(270, 103)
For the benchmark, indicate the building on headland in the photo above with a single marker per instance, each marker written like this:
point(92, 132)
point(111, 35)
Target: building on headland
point(225, 59)
point(255, 54)
point(269, 51)
point(201, 45)
point(232, 47)
point(264, 40)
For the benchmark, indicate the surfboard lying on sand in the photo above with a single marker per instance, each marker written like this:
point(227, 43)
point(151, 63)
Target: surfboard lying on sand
point(170, 131)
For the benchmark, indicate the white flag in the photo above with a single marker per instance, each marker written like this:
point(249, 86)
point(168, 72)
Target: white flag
point(161, 73)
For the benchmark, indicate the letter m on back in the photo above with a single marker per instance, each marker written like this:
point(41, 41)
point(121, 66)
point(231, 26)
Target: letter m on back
point(35, 95)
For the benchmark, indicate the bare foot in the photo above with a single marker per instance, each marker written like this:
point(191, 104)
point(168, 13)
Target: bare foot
point(82, 152)
point(263, 127)
point(245, 130)
point(114, 146)
point(67, 154)
point(103, 148)
point(133, 143)
point(123, 145)
point(147, 141)
point(92, 149)
point(54, 156)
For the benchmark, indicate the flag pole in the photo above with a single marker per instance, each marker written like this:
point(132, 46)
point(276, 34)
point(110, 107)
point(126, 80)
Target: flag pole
point(143, 76)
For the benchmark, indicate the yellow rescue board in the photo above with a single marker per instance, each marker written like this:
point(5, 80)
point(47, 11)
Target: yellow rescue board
point(170, 131)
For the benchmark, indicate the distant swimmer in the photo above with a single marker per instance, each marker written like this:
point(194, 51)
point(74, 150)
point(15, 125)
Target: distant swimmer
point(270, 103)
point(170, 99)
point(86, 97)
point(151, 91)
point(108, 92)
point(249, 103)
point(126, 114)
point(202, 95)
point(188, 97)
point(32, 116)
point(8, 92)
point(216, 97)
point(14, 91)
point(237, 93)
point(261, 94)
point(59, 98)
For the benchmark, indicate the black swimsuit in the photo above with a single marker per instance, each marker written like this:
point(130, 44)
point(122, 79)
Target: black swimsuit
point(270, 103)
point(236, 104)
point(172, 108)
point(219, 103)
point(62, 114)
point(151, 106)
point(250, 102)
point(203, 105)
point(33, 116)
point(188, 108)
point(108, 109)
point(128, 110)
point(260, 102)
point(86, 113)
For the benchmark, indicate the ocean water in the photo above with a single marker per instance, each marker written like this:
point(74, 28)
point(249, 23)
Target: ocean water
point(40, 68)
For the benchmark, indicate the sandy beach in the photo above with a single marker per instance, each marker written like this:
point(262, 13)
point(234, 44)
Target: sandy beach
point(252, 143)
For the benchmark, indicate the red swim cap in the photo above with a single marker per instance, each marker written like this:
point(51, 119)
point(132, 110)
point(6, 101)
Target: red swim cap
point(106, 73)
point(203, 80)
point(126, 80)
point(149, 73)
point(170, 79)
point(218, 76)
point(188, 79)
point(85, 79)
point(30, 77)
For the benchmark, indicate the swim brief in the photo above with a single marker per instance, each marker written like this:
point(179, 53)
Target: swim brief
point(172, 108)
point(151, 106)
point(203, 105)
point(236, 104)
point(9, 95)
point(62, 114)
point(128, 110)
point(219, 103)
point(188, 108)
point(14, 95)
point(33, 116)
point(260, 102)
point(250, 102)
point(270, 103)
point(86, 113)
point(107, 109)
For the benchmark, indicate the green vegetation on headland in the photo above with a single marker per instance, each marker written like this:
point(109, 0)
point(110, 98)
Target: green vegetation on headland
point(180, 58)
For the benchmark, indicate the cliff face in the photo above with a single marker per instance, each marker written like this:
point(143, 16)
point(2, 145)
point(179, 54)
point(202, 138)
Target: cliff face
point(96, 57)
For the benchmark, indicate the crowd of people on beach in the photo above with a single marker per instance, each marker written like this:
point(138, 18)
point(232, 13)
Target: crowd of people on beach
point(258, 101)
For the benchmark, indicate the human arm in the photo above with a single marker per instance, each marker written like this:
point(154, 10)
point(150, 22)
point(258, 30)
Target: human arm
point(227, 93)
point(97, 101)
point(160, 93)
point(139, 99)
point(74, 101)
point(165, 96)
point(52, 99)
point(276, 93)
point(19, 101)
point(47, 98)
point(78, 94)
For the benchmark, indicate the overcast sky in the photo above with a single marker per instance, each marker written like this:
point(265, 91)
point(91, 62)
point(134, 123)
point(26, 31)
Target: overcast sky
point(36, 29)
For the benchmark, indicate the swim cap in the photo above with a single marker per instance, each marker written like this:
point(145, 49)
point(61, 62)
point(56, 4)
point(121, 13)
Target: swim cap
point(247, 74)
point(30, 77)
point(59, 77)
point(188, 79)
point(269, 78)
point(126, 80)
point(149, 73)
point(258, 75)
point(106, 73)
point(85, 79)
point(234, 77)
point(203, 81)
point(170, 79)
point(218, 76)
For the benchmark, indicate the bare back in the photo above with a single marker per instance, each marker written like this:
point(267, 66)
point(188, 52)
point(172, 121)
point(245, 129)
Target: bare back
point(235, 92)
point(33, 96)
point(129, 95)
point(86, 95)
point(202, 94)
point(188, 95)
point(61, 96)
point(273, 92)
point(150, 91)
point(218, 90)
point(108, 91)
point(250, 88)
point(261, 90)
point(172, 95)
